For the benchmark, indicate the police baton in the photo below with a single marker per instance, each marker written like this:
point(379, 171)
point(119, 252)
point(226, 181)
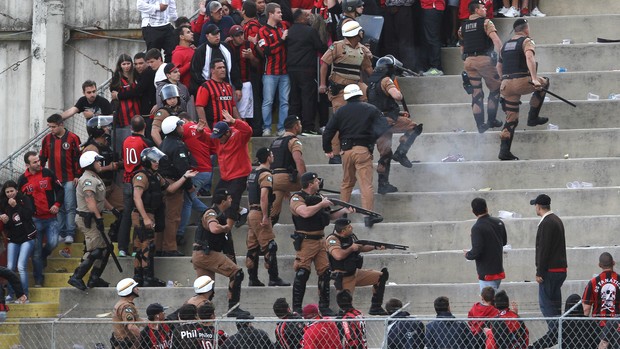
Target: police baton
point(108, 244)
point(556, 96)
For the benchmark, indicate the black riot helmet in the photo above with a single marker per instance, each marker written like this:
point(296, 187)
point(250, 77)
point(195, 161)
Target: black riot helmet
point(351, 5)
point(149, 155)
point(96, 125)
point(387, 65)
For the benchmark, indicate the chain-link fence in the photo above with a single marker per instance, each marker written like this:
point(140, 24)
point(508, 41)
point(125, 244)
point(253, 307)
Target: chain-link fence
point(13, 166)
point(358, 333)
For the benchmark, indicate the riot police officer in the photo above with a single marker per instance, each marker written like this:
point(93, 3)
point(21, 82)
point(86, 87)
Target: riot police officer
point(90, 196)
point(346, 263)
point(261, 239)
point(149, 188)
point(168, 91)
point(385, 95)
point(177, 162)
point(480, 47)
point(351, 9)
point(359, 124)
point(203, 289)
point(210, 249)
point(125, 334)
point(311, 215)
point(348, 58)
point(517, 64)
point(288, 163)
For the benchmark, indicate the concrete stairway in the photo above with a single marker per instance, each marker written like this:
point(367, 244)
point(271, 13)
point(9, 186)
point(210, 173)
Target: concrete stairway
point(431, 212)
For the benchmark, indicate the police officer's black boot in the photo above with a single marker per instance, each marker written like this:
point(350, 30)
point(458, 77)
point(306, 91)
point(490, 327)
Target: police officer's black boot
point(234, 289)
point(336, 160)
point(376, 302)
point(299, 289)
point(477, 105)
point(492, 104)
point(324, 286)
point(504, 148)
point(400, 154)
point(384, 185)
point(138, 276)
point(75, 280)
point(149, 270)
point(95, 279)
point(274, 275)
point(251, 262)
point(536, 102)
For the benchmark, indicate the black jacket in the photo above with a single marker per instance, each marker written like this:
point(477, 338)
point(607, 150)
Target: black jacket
point(248, 337)
point(289, 334)
point(200, 59)
point(405, 334)
point(145, 90)
point(550, 245)
point(359, 123)
point(178, 159)
point(488, 236)
point(303, 44)
point(20, 227)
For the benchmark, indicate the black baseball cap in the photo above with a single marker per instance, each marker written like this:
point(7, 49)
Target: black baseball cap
point(290, 121)
point(341, 223)
point(262, 154)
point(519, 22)
point(212, 28)
point(307, 178)
point(220, 129)
point(542, 199)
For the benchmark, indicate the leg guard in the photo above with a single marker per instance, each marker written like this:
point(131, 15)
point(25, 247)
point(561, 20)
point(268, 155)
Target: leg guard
point(324, 288)
point(536, 103)
point(251, 262)
point(149, 271)
point(506, 136)
point(384, 164)
point(234, 288)
point(87, 262)
point(299, 288)
point(95, 279)
point(378, 290)
point(409, 139)
point(477, 104)
point(492, 104)
point(271, 262)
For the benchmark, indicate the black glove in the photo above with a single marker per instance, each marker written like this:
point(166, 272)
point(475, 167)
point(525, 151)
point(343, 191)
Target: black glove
point(117, 213)
point(99, 223)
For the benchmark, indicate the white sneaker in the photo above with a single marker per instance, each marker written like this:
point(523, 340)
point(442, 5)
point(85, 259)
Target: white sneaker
point(503, 10)
point(536, 13)
point(512, 12)
point(266, 132)
point(281, 133)
point(68, 239)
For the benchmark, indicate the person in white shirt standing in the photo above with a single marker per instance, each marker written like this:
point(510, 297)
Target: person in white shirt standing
point(157, 29)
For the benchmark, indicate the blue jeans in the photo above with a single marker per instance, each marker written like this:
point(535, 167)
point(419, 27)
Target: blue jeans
point(66, 214)
point(490, 283)
point(190, 200)
point(18, 255)
point(48, 228)
point(270, 84)
point(550, 294)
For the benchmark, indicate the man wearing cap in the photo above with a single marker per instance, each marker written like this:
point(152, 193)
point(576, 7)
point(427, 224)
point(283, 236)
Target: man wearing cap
point(360, 124)
point(288, 163)
point(149, 188)
point(480, 48)
point(345, 262)
point(247, 336)
point(157, 29)
point(231, 138)
point(172, 167)
point(125, 334)
point(91, 201)
point(319, 334)
point(261, 239)
point(551, 266)
point(204, 291)
point(348, 58)
point(217, 18)
point(351, 9)
point(518, 68)
point(246, 55)
point(213, 252)
point(155, 335)
point(288, 334)
point(215, 96)
point(201, 61)
point(311, 215)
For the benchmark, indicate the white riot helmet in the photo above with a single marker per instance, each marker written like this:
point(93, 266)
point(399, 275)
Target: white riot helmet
point(170, 124)
point(88, 158)
point(169, 91)
point(125, 287)
point(352, 90)
point(351, 29)
point(203, 284)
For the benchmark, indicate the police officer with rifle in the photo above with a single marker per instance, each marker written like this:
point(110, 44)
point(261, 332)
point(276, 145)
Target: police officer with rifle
point(346, 264)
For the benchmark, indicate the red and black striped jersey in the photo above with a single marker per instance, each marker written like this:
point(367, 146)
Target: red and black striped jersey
point(214, 97)
point(44, 189)
point(244, 64)
point(274, 48)
point(603, 294)
point(62, 155)
point(127, 107)
point(251, 28)
point(354, 330)
point(132, 147)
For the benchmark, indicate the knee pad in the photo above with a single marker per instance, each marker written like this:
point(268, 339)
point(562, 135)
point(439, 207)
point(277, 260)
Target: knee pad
point(302, 275)
point(272, 247)
point(97, 253)
point(253, 253)
point(239, 276)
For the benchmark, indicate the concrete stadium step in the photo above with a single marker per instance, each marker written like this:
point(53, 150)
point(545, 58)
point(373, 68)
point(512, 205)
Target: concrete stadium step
point(570, 85)
point(405, 268)
point(528, 144)
point(60, 279)
point(443, 236)
point(9, 340)
point(577, 57)
point(458, 116)
point(554, 29)
point(259, 301)
point(577, 7)
point(43, 294)
point(34, 310)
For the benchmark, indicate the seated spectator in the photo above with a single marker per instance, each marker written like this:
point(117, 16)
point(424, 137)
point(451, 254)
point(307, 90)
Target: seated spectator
point(288, 334)
point(403, 334)
point(578, 334)
point(184, 334)
point(155, 335)
point(446, 334)
point(91, 104)
point(509, 333)
point(320, 334)
point(247, 336)
point(205, 328)
point(353, 329)
point(13, 279)
point(483, 309)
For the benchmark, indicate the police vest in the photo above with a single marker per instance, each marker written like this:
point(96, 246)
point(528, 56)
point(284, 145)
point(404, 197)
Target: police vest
point(282, 156)
point(350, 66)
point(108, 157)
point(475, 38)
point(385, 103)
point(203, 235)
point(513, 57)
point(349, 264)
point(316, 222)
point(153, 196)
point(254, 188)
